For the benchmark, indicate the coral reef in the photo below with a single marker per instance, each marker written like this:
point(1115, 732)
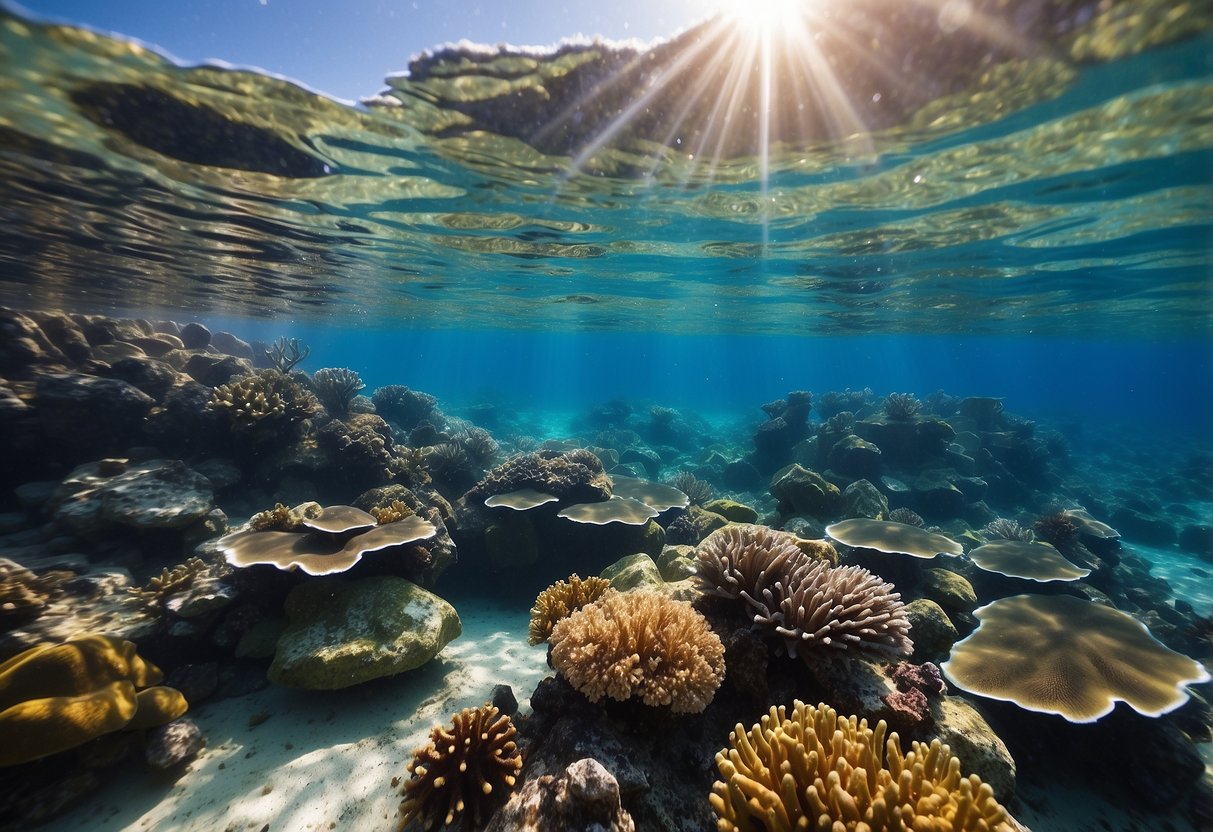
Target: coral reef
point(1059, 529)
point(336, 387)
point(466, 768)
point(643, 645)
point(264, 401)
point(479, 445)
point(574, 476)
point(559, 601)
point(813, 769)
point(393, 512)
point(407, 408)
point(902, 406)
point(281, 518)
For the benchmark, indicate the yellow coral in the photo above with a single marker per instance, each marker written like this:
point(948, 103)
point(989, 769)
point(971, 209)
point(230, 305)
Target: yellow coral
point(393, 512)
point(640, 644)
point(465, 768)
point(169, 581)
point(560, 600)
point(817, 770)
point(56, 697)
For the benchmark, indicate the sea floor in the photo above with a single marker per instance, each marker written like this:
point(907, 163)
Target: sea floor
point(322, 759)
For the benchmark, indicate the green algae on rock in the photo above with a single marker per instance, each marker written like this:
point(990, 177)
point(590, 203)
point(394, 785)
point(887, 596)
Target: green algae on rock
point(342, 633)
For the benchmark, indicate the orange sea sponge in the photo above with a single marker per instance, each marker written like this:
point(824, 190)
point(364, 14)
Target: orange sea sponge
point(643, 645)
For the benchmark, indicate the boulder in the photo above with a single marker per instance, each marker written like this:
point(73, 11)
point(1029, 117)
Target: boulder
point(676, 562)
point(341, 633)
point(931, 629)
point(583, 798)
point(862, 499)
point(936, 493)
point(195, 336)
point(633, 572)
point(158, 494)
point(946, 588)
point(801, 491)
point(959, 725)
point(732, 510)
point(855, 457)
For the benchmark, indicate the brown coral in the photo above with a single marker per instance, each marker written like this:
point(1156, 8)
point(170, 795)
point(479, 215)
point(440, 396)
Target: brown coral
point(745, 561)
point(813, 769)
point(643, 645)
point(169, 582)
point(560, 600)
point(262, 399)
point(574, 476)
point(465, 768)
point(393, 512)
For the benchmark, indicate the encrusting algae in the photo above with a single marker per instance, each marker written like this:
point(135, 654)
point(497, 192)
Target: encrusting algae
point(815, 770)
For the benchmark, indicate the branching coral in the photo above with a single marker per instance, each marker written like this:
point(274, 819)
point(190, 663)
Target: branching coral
point(449, 462)
point(640, 645)
point(280, 518)
point(560, 600)
point(1004, 529)
point(812, 604)
point(285, 353)
point(698, 491)
point(393, 512)
point(907, 516)
point(465, 769)
point(813, 769)
point(169, 582)
point(479, 445)
point(263, 399)
point(336, 388)
point(902, 406)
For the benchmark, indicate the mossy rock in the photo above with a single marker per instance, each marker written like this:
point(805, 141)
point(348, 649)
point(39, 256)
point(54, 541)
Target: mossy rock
point(676, 562)
point(931, 629)
point(636, 571)
point(342, 633)
point(732, 510)
point(946, 588)
point(801, 491)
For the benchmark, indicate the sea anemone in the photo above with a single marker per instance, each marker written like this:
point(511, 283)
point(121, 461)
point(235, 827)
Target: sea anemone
point(907, 516)
point(698, 491)
point(336, 388)
point(902, 406)
point(1004, 529)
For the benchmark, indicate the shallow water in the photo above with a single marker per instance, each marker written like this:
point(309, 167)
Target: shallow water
point(490, 229)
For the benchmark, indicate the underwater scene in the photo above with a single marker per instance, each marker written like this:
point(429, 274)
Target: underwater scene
point(799, 420)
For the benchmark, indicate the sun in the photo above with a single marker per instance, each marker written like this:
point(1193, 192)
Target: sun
point(762, 16)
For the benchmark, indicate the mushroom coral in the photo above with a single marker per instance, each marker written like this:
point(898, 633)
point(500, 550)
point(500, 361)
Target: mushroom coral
point(1031, 560)
point(56, 697)
point(813, 769)
point(643, 645)
point(892, 538)
point(560, 600)
point(808, 601)
point(465, 768)
point(1061, 655)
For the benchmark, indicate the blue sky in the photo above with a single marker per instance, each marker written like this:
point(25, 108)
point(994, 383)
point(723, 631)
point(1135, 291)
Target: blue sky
point(346, 48)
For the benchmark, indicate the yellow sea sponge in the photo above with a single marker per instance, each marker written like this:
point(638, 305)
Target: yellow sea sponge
point(815, 770)
point(40, 727)
point(560, 600)
point(640, 644)
point(465, 768)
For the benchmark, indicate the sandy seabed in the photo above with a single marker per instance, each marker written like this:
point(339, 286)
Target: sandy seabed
point(321, 760)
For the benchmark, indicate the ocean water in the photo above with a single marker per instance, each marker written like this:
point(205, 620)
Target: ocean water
point(531, 237)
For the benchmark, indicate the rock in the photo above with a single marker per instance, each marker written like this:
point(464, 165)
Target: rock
point(196, 682)
point(158, 345)
point(693, 525)
point(229, 344)
point(1196, 538)
point(213, 370)
point(857, 685)
point(204, 595)
point(160, 494)
point(66, 335)
point(676, 562)
point(154, 378)
point(173, 744)
point(907, 443)
point(260, 641)
point(862, 499)
point(959, 725)
point(741, 475)
point(85, 414)
point(732, 510)
point(931, 630)
point(583, 798)
point(935, 493)
point(633, 572)
point(645, 458)
point(343, 632)
point(195, 336)
point(503, 699)
point(801, 491)
point(1143, 528)
point(855, 457)
point(33, 495)
point(947, 589)
point(223, 473)
point(23, 345)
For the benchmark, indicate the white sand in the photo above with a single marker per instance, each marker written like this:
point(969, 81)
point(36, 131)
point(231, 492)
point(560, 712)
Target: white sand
point(323, 760)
